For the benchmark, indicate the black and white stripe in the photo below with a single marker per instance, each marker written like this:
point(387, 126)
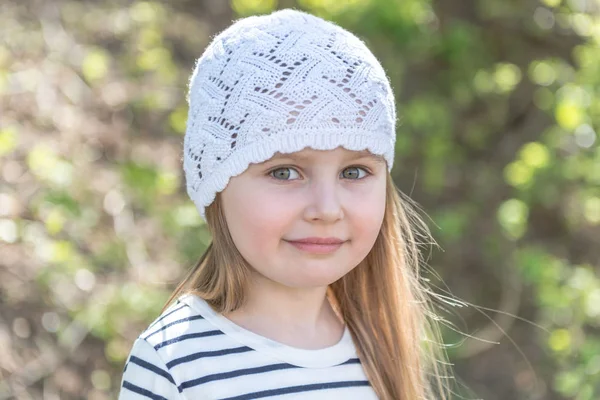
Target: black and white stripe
point(190, 352)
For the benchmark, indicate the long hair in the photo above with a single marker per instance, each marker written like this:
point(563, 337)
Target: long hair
point(383, 301)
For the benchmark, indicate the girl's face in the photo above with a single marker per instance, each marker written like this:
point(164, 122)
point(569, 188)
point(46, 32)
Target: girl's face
point(305, 195)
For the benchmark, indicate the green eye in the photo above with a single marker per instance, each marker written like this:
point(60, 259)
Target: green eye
point(353, 173)
point(284, 174)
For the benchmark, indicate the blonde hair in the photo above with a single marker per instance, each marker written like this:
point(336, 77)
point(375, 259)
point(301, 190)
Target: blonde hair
point(382, 301)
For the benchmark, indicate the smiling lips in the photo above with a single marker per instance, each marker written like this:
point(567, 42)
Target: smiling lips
point(317, 245)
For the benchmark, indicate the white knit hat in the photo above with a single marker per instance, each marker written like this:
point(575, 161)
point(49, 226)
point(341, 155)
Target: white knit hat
point(280, 83)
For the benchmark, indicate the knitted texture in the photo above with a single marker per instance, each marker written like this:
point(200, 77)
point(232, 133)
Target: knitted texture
point(280, 83)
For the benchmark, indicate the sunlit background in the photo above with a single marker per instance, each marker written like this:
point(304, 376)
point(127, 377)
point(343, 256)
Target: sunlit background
point(500, 112)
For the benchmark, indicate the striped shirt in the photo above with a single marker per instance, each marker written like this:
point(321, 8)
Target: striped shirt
point(192, 352)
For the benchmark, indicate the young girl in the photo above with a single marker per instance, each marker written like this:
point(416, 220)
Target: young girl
point(310, 288)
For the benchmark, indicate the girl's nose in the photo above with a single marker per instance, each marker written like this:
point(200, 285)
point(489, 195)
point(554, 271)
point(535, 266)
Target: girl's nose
point(324, 201)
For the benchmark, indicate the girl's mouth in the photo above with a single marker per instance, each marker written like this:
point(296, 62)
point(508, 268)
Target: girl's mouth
point(316, 248)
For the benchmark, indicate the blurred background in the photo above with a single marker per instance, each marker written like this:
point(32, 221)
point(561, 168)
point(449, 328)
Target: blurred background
point(500, 112)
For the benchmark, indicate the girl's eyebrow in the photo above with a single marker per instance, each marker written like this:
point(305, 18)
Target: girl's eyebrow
point(299, 157)
point(372, 156)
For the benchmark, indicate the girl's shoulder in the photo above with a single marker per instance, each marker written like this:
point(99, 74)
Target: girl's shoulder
point(181, 321)
point(170, 354)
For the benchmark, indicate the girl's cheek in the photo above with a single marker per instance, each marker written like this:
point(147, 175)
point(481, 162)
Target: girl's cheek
point(279, 196)
point(369, 202)
point(369, 191)
point(267, 209)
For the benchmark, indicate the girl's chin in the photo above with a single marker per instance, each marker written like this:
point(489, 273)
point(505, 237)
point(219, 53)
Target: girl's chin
point(311, 277)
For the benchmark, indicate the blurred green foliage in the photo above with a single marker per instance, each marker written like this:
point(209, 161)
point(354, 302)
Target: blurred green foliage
point(499, 103)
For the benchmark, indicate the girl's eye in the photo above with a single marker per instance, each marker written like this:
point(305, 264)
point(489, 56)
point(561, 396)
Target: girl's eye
point(284, 174)
point(354, 173)
point(288, 173)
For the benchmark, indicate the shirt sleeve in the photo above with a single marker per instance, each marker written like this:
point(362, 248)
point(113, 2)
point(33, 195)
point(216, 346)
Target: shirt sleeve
point(146, 376)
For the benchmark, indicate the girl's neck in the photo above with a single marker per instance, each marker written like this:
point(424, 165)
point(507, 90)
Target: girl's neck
point(301, 318)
